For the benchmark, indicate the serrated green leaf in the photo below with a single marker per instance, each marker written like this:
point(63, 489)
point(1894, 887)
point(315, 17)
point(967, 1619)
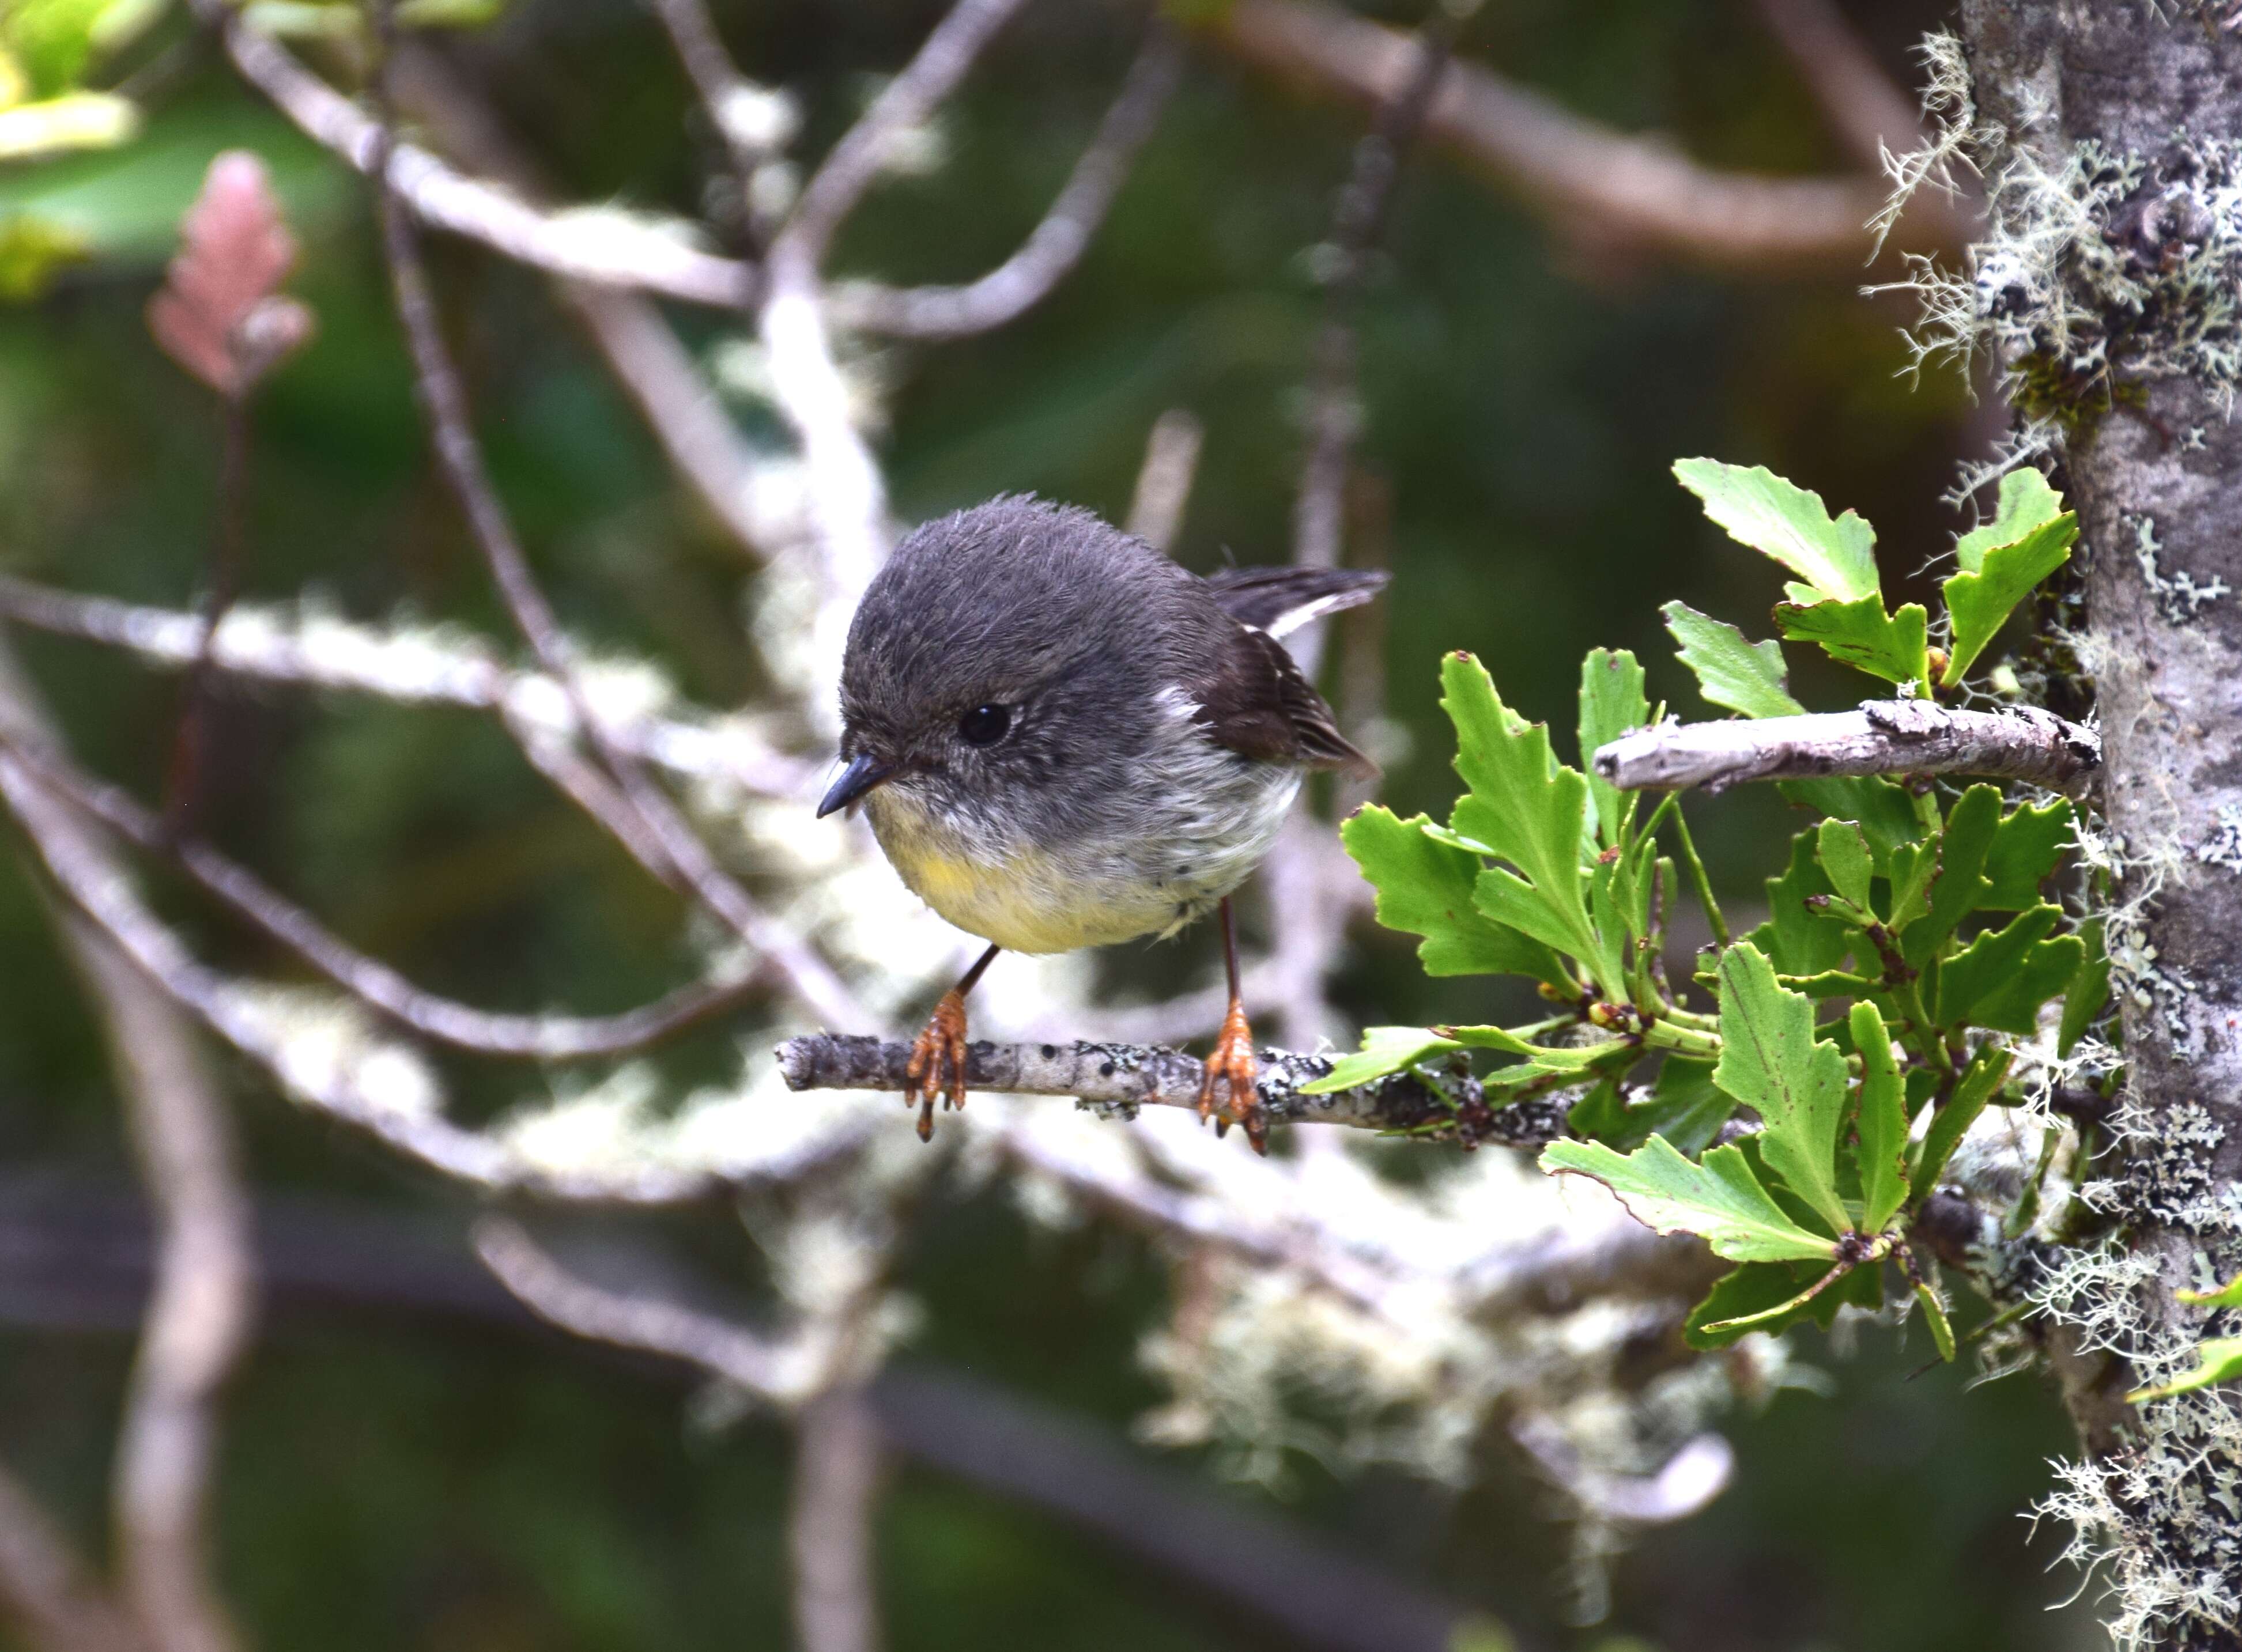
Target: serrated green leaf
point(1882, 809)
point(1801, 940)
point(1384, 1049)
point(1951, 1122)
point(1742, 676)
point(1685, 1107)
point(1978, 603)
point(1611, 704)
point(1843, 853)
point(1913, 867)
point(1862, 635)
point(1959, 885)
point(2026, 848)
point(2219, 1359)
point(1425, 888)
point(1717, 1199)
point(1881, 1123)
point(2089, 990)
point(2026, 502)
point(1758, 508)
point(1527, 809)
point(2003, 977)
point(1756, 1287)
point(1770, 1060)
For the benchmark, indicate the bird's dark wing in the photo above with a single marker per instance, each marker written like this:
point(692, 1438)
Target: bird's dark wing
point(1253, 700)
point(1281, 599)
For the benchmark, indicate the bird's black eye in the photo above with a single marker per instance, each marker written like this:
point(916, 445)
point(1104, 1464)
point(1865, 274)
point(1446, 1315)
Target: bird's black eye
point(984, 724)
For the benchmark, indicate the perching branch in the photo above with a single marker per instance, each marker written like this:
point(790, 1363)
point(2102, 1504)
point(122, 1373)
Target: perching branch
point(1056, 245)
point(1128, 1076)
point(588, 245)
point(1884, 737)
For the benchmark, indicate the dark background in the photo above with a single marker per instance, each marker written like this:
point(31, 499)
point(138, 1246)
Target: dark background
point(397, 1476)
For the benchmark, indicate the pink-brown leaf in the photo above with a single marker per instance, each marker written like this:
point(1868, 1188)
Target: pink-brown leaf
point(215, 313)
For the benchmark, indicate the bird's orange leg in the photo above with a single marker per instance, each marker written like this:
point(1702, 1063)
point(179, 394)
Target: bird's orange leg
point(938, 1057)
point(1232, 1069)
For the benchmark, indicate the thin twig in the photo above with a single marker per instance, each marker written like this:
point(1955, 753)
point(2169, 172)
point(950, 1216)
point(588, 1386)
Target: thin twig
point(834, 1495)
point(549, 1038)
point(1586, 179)
point(1163, 481)
point(183, 779)
point(724, 94)
point(1884, 737)
point(1127, 1076)
point(1056, 245)
point(600, 245)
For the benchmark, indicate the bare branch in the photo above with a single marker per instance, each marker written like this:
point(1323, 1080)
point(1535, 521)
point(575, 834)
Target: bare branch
point(598, 245)
point(425, 667)
point(835, 1491)
point(1163, 481)
point(1884, 737)
point(1128, 1076)
point(1056, 245)
point(1581, 176)
point(1692, 1477)
point(1872, 114)
point(548, 1038)
point(46, 1593)
point(756, 1364)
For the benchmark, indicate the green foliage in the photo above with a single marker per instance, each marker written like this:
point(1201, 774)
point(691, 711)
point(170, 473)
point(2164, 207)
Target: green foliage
point(2219, 1359)
point(1904, 938)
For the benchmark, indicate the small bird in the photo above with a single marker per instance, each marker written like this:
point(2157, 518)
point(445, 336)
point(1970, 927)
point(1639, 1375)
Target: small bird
point(1064, 739)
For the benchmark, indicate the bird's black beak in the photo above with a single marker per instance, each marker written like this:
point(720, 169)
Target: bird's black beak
point(860, 777)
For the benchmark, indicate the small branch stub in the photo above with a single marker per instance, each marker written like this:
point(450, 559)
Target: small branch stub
point(1884, 737)
point(1127, 1076)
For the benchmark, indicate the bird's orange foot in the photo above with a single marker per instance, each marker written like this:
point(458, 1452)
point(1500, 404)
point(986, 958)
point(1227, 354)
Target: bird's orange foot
point(938, 1063)
point(1232, 1071)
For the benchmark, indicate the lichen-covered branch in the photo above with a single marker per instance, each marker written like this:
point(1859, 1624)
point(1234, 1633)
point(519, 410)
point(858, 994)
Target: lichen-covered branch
point(1885, 737)
point(1127, 1076)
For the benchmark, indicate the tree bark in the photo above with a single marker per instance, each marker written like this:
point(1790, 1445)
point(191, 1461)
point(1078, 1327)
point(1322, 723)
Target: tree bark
point(2129, 113)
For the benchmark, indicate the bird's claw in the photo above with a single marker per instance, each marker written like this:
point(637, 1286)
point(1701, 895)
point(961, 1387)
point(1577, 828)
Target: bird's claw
point(938, 1063)
point(1232, 1071)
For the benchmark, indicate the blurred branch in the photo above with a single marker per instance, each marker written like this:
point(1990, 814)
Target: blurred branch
point(549, 1038)
point(1872, 114)
point(1692, 1477)
point(1056, 245)
point(1884, 737)
point(1163, 481)
point(1585, 178)
point(1127, 1076)
point(427, 667)
point(46, 1593)
point(834, 1494)
point(600, 244)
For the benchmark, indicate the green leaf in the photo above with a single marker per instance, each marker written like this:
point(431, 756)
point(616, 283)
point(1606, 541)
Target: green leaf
point(2089, 990)
point(1754, 1289)
point(1384, 1049)
point(1685, 1107)
point(1718, 1199)
point(74, 120)
point(1881, 1124)
point(2026, 848)
point(1801, 940)
point(1913, 867)
point(1611, 704)
point(2027, 502)
point(1600, 1115)
point(1743, 676)
point(33, 251)
point(1972, 827)
point(1951, 1122)
point(1882, 809)
point(2217, 1360)
point(1979, 603)
point(1425, 888)
point(2228, 1295)
point(1934, 1315)
point(2002, 978)
point(1758, 508)
point(1862, 635)
point(1845, 861)
point(1771, 1061)
point(1527, 809)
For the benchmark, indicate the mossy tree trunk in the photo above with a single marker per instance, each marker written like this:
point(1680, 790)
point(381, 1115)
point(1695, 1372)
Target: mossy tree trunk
point(2110, 136)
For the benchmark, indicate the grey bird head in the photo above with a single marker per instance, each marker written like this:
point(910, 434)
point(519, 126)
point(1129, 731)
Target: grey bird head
point(1006, 665)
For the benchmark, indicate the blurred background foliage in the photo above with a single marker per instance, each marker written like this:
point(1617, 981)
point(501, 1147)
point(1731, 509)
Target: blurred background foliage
point(395, 1478)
